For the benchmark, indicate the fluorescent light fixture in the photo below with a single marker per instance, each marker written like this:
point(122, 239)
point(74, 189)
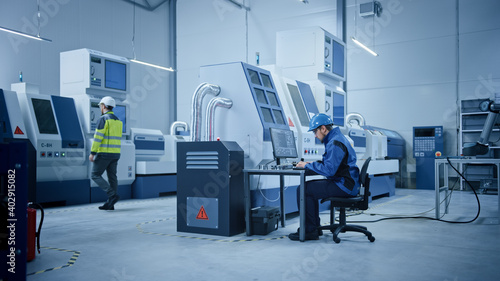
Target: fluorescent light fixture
point(152, 65)
point(24, 34)
point(364, 47)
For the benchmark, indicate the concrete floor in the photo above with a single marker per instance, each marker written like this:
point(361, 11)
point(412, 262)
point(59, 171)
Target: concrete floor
point(138, 241)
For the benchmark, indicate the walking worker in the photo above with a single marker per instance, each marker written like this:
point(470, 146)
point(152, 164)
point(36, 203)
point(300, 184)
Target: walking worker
point(338, 166)
point(105, 151)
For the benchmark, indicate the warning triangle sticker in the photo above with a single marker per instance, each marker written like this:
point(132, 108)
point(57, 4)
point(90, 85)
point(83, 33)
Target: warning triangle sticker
point(290, 123)
point(18, 131)
point(202, 215)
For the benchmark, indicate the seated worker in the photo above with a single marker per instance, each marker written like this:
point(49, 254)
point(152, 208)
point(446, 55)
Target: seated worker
point(338, 166)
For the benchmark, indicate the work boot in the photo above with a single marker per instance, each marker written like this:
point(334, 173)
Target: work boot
point(107, 207)
point(309, 236)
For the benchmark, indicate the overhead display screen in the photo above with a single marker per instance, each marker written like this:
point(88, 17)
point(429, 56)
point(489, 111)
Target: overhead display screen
point(116, 75)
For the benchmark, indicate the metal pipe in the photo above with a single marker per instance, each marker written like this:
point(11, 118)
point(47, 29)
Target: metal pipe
point(355, 116)
point(209, 117)
point(196, 103)
point(177, 124)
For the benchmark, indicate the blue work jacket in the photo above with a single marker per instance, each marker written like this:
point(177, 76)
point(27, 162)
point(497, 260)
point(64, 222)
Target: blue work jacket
point(338, 163)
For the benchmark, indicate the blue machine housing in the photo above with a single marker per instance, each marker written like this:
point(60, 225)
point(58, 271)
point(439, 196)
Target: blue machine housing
point(427, 141)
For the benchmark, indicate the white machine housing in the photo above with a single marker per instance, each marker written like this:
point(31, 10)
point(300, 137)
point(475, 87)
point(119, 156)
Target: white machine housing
point(309, 147)
point(150, 149)
point(18, 128)
point(94, 73)
point(376, 145)
point(88, 76)
point(55, 161)
point(89, 112)
point(311, 52)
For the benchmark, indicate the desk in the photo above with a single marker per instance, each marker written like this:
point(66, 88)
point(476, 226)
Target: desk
point(445, 187)
point(281, 173)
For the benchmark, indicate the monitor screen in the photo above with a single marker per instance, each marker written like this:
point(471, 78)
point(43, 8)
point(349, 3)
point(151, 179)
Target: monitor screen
point(44, 116)
point(116, 75)
point(425, 132)
point(338, 110)
point(121, 112)
point(338, 59)
point(283, 142)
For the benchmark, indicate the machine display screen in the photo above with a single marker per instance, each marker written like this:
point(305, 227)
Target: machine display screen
point(425, 132)
point(44, 116)
point(121, 112)
point(116, 75)
point(283, 142)
point(338, 59)
point(338, 110)
point(299, 104)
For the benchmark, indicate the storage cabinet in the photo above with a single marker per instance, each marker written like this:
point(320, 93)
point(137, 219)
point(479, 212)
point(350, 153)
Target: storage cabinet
point(472, 119)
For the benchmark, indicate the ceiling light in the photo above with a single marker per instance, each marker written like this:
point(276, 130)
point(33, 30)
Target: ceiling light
point(37, 37)
point(152, 65)
point(24, 34)
point(133, 51)
point(364, 47)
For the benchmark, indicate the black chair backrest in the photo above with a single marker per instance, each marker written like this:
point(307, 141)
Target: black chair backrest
point(362, 173)
point(364, 178)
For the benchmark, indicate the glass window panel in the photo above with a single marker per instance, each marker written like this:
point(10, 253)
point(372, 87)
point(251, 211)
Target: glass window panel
point(272, 99)
point(279, 117)
point(254, 76)
point(261, 97)
point(266, 112)
point(266, 80)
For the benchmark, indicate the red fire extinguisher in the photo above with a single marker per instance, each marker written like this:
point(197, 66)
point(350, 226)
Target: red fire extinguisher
point(32, 233)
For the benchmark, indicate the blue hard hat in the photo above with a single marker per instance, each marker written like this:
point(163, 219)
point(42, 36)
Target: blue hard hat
point(318, 120)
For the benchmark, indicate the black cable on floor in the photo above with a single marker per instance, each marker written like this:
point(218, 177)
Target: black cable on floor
point(430, 218)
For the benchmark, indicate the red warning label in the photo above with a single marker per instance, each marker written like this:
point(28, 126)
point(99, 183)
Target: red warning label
point(18, 131)
point(202, 215)
point(290, 123)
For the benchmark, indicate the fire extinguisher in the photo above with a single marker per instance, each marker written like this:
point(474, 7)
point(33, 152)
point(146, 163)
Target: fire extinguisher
point(32, 233)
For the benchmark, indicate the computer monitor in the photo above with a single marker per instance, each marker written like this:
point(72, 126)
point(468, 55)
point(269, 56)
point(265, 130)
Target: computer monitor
point(283, 142)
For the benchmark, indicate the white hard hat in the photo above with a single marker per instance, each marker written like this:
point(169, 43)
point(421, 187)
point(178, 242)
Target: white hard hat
point(108, 101)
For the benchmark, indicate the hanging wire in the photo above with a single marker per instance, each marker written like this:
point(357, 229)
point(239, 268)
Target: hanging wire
point(133, 33)
point(355, 21)
point(38, 16)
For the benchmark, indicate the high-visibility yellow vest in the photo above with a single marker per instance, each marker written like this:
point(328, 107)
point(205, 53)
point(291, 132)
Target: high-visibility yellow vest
point(108, 135)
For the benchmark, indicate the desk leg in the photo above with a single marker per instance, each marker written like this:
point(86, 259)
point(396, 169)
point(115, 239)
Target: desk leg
point(437, 187)
point(447, 188)
point(302, 231)
point(282, 200)
point(498, 182)
point(248, 204)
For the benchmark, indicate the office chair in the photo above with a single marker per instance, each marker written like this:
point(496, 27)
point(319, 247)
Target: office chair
point(359, 202)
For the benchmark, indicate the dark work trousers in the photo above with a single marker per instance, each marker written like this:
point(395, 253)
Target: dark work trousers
point(109, 165)
point(314, 191)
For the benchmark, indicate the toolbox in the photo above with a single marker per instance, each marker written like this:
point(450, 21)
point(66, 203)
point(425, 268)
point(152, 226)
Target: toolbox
point(265, 219)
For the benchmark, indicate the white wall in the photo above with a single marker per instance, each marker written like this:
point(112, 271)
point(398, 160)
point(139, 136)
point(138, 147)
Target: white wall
point(100, 25)
point(427, 63)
